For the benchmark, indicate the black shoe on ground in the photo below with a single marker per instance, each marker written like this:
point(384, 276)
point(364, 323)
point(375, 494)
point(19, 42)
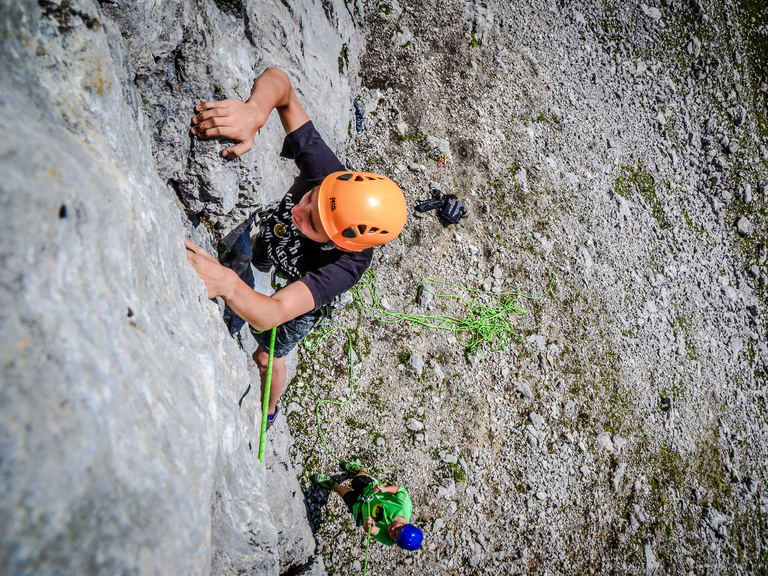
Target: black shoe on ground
point(323, 481)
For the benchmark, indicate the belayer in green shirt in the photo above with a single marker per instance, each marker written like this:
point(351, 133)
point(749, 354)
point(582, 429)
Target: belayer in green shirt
point(385, 511)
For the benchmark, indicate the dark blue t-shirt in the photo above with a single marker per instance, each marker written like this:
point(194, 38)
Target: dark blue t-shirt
point(326, 271)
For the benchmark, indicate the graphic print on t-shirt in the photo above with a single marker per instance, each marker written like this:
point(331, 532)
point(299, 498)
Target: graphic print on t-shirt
point(281, 239)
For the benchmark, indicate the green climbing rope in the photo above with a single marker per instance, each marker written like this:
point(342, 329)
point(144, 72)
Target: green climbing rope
point(351, 354)
point(369, 499)
point(267, 386)
point(490, 322)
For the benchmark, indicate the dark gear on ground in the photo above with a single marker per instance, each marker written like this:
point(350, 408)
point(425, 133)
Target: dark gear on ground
point(359, 114)
point(449, 209)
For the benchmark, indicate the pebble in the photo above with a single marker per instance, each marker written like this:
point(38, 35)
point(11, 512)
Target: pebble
point(414, 425)
point(439, 375)
point(584, 471)
point(715, 518)
point(416, 361)
point(524, 389)
point(651, 564)
point(604, 441)
point(380, 441)
point(651, 12)
point(538, 341)
point(521, 178)
point(744, 226)
point(413, 167)
point(618, 442)
point(537, 420)
point(694, 47)
point(739, 115)
point(426, 295)
point(293, 407)
point(618, 474)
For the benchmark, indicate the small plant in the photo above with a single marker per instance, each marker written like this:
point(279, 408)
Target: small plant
point(459, 474)
point(343, 59)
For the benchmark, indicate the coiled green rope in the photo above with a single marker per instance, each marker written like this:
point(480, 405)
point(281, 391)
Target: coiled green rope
point(490, 323)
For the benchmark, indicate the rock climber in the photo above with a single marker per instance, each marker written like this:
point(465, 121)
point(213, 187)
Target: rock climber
point(321, 236)
point(385, 511)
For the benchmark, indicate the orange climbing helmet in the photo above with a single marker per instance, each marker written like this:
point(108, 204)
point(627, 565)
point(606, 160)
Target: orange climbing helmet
point(360, 209)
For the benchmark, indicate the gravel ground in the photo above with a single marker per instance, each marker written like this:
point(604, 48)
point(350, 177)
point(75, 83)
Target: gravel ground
point(619, 149)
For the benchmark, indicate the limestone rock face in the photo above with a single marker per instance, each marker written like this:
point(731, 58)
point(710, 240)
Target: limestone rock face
point(126, 442)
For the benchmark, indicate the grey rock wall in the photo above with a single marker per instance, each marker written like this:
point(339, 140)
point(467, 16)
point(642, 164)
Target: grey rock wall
point(127, 440)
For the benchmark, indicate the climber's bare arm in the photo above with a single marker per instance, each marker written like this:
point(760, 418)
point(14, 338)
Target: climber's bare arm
point(240, 121)
point(386, 489)
point(260, 311)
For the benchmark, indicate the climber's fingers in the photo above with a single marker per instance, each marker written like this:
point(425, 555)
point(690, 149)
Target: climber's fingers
point(193, 251)
point(209, 114)
point(237, 150)
point(212, 105)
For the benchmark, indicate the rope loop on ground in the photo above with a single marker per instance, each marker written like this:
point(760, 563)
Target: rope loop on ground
point(490, 322)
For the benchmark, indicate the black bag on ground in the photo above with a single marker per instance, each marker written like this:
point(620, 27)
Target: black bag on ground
point(449, 209)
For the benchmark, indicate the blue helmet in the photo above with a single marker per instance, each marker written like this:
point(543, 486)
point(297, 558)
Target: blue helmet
point(410, 537)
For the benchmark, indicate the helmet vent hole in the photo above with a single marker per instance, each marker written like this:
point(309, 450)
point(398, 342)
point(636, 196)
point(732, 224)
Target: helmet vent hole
point(362, 228)
point(383, 232)
point(347, 176)
point(359, 179)
point(373, 230)
point(350, 232)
